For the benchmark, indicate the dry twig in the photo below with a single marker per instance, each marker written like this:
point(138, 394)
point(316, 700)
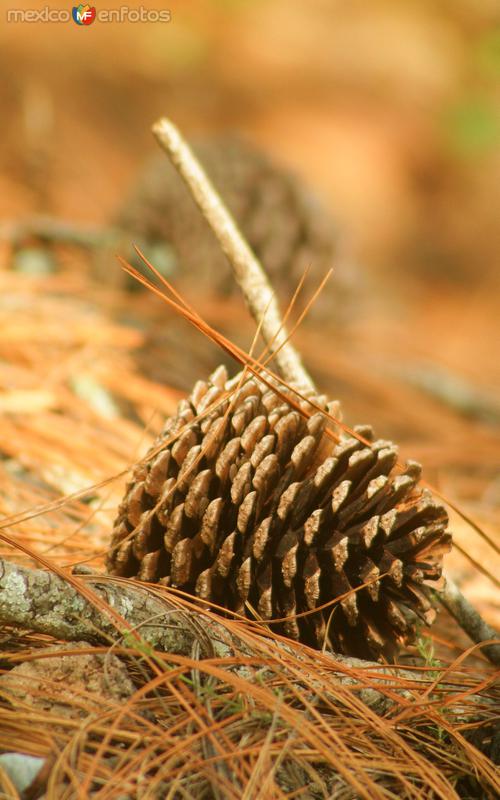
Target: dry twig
point(469, 619)
point(248, 272)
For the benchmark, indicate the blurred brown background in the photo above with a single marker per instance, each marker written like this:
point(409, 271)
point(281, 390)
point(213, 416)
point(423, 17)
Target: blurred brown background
point(387, 109)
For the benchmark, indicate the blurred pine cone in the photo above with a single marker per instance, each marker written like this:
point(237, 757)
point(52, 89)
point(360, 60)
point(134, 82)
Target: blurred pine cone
point(285, 225)
point(254, 508)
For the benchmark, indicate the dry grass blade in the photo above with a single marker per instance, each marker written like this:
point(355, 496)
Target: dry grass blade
point(162, 729)
point(191, 721)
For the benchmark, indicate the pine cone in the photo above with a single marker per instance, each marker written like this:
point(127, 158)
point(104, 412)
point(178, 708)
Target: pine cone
point(254, 508)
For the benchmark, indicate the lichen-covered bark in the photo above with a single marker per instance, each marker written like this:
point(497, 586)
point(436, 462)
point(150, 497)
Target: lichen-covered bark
point(43, 602)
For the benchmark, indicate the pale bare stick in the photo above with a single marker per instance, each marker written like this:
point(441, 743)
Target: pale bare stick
point(247, 270)
point(262, 303)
